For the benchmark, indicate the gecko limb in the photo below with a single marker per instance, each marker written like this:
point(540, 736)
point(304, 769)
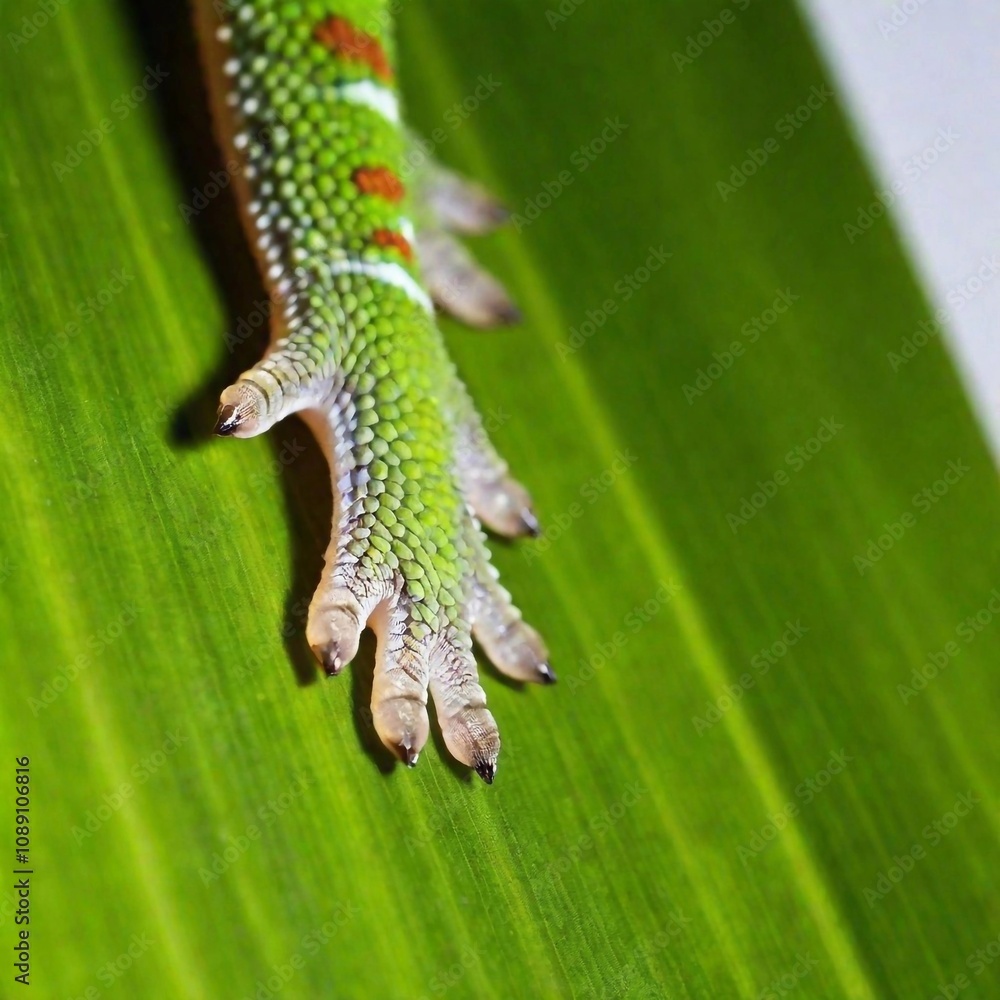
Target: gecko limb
point(353, 260)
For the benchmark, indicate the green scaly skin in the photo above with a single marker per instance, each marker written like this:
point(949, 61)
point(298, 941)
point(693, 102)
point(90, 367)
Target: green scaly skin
point(306, 103)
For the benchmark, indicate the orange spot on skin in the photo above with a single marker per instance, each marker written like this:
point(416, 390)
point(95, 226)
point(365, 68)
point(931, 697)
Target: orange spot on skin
point(388, 238)
point(344, 40)
point(380, 181)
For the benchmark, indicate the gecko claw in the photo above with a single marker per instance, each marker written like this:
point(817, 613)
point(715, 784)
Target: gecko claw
point(530, 522)
point(228, 420)
point(243, 410)
point(547, 673)
point(496, 214)
point(509, 314)
point(329, 658)
point(487, 770)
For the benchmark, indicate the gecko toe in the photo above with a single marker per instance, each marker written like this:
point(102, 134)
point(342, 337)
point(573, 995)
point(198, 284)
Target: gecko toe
point(333, 631)
point(456, 203)
point(503, 505)
point(459, 286)
point(513, 646)
point(399, 687)
point(468, 727)
point(241, 407)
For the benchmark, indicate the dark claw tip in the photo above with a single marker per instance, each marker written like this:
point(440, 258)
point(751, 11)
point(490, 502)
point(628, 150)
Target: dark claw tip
point(548, 674)
point(530, 522)
point(508, 314)
point(329, 659)
point(228, 420)
point(487, 771)
point(409, 756)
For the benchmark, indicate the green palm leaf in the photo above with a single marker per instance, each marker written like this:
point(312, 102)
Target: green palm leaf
point(738, 789)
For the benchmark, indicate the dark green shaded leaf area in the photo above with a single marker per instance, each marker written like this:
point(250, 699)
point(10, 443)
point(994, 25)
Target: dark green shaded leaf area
point(737, 789)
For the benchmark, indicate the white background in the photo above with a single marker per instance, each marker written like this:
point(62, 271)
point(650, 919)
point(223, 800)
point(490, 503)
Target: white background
point(903, 71)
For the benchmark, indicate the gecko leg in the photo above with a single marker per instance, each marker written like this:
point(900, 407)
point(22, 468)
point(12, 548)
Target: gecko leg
point(354, 249)
point(512, 645)
point(497, 499)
